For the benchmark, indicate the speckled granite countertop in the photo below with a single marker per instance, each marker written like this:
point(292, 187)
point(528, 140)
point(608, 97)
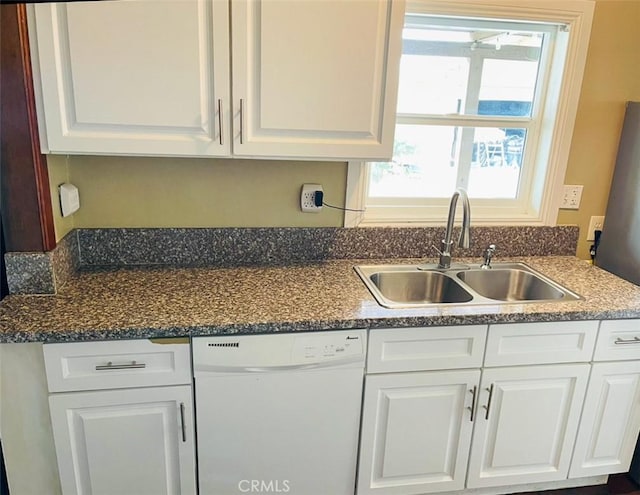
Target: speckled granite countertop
point(164, 302)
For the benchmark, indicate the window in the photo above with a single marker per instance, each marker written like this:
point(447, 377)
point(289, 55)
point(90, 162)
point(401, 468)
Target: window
point(486, 101)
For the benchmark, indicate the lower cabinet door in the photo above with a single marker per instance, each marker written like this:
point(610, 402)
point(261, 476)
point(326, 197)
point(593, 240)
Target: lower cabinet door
point(610, 420)
point(416, 432)
point(133, 441)
point(527, 423)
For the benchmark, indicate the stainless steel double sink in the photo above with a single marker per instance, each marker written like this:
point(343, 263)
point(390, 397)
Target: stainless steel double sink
point(408, 286)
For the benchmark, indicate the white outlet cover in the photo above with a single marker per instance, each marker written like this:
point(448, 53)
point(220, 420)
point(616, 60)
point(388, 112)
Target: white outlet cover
point(595, 223)
point(69, 199)
point(307, 197)
point(571, 196)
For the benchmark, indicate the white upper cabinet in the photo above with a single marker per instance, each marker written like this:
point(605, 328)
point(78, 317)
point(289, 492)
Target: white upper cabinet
point(311, 79)
point(315, 78)
point(134, 77)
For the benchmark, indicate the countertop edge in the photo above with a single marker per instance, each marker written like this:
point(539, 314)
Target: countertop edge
point(307, 326)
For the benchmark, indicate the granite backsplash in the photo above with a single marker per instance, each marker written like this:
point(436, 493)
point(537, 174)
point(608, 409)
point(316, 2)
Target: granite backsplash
point(43, 273)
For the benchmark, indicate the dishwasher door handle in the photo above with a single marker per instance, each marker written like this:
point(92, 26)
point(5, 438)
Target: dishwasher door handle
point(212, 368)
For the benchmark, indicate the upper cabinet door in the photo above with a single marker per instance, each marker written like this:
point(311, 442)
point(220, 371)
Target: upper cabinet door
point(315, 78)
point(134, 77)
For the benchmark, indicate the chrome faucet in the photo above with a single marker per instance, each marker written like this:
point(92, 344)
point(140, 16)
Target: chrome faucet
point(465, 234)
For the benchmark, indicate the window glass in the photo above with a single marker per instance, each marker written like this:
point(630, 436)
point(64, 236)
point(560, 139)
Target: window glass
point(426, 162)
point(432, 84)
point(467, 70)
point(496, 162)
point(454, 71)
point(507, 87)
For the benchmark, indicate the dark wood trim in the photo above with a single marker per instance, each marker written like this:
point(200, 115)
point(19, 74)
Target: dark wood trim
point(25, 197)
point(4, 288)
point(39, 160)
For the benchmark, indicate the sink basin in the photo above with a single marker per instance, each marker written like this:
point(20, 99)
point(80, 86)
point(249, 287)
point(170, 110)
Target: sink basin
point(418, 287)
point(404, 286)
point(510, 285)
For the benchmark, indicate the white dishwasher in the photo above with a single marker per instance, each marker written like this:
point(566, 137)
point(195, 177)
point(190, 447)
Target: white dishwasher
point(279, 413)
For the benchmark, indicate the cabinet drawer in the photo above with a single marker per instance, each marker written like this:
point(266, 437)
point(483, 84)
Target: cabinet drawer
point(426, 348)
point(618, 340)
point(117, 364)
point(540, 343)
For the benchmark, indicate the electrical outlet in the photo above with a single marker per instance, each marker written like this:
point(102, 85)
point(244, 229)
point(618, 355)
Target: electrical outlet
point(308, 196)
point(571, 196)
point(595, 223)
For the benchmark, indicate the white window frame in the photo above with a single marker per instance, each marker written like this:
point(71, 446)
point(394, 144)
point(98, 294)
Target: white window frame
point(540, 206)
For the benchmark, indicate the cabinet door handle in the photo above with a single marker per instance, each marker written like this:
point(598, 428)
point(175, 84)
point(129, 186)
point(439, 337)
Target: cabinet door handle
point(488, 406)
point(635, 340)
point(124, 366)
point(220, 121)
point(182, 425)
point(241, 120)
point(473, 402)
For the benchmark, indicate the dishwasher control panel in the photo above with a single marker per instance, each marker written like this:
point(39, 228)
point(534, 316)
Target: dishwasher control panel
point(250, 353)
point(325, 346)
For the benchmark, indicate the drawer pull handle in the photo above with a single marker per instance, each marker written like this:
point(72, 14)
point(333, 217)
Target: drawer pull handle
point(488, 406)
point(111, 366)
point(635, 340)
point(473, 402)
point(182, 425)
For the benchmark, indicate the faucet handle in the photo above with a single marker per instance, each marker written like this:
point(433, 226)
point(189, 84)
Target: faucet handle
point(445, 255)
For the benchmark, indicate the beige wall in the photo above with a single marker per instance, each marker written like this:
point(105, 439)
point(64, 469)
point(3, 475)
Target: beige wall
point(189, 192)
point(173, 192)
point(612, 77)
point(27, 437)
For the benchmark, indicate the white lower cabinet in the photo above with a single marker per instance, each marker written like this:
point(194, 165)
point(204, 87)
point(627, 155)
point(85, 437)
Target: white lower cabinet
point(610, 420)
point(526, 424)
point(125, 441)
point(475, 428)
point(122, 412)
point(416, 431)
point(417, 428)
point(122, 416)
